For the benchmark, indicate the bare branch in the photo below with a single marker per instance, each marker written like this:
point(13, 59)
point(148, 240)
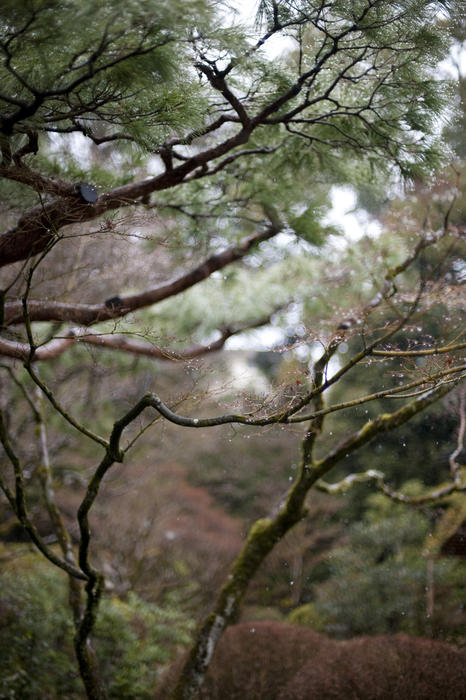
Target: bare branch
point(28, 364)
point(60, 409)
point(113, 341)
point(421, 353)
point(20, 507)
point(435, 494)
point(117, 307)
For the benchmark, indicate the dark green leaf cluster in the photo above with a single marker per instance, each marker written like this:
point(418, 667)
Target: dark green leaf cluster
point(377, 582)
point(135, 640)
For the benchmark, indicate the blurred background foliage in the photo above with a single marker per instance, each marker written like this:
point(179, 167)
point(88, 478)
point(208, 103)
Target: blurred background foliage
point(135, 639)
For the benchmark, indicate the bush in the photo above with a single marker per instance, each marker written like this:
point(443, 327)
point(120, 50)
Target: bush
point(134, 640)
point(279, 661)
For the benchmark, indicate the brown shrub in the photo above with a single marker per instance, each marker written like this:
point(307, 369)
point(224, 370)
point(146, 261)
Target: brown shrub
point(278, 661)
point(256, 659)
point(381, 668)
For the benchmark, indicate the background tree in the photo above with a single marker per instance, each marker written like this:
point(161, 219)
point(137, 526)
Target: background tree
point(145, 149)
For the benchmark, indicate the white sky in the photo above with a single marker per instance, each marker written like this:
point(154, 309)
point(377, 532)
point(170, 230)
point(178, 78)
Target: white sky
point(355, 223)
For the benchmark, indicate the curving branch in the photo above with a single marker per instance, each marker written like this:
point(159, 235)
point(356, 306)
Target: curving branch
point(40, 224)
point(443, 381)
point(378, 478)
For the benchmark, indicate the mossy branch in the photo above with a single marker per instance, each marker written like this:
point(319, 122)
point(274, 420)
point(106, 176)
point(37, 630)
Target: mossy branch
point(421, 353)
point(394, 393)
point(266, 532)
point(378, 478)
point(383, 423)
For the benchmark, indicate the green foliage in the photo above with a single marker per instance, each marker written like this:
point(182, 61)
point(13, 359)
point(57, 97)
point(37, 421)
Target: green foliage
point(128, 68)
point(309, 227)
point(120, 63)
point(390, 29)
point(36, 657)
point(378, 580)
point(135, 640)
point(307, 616)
